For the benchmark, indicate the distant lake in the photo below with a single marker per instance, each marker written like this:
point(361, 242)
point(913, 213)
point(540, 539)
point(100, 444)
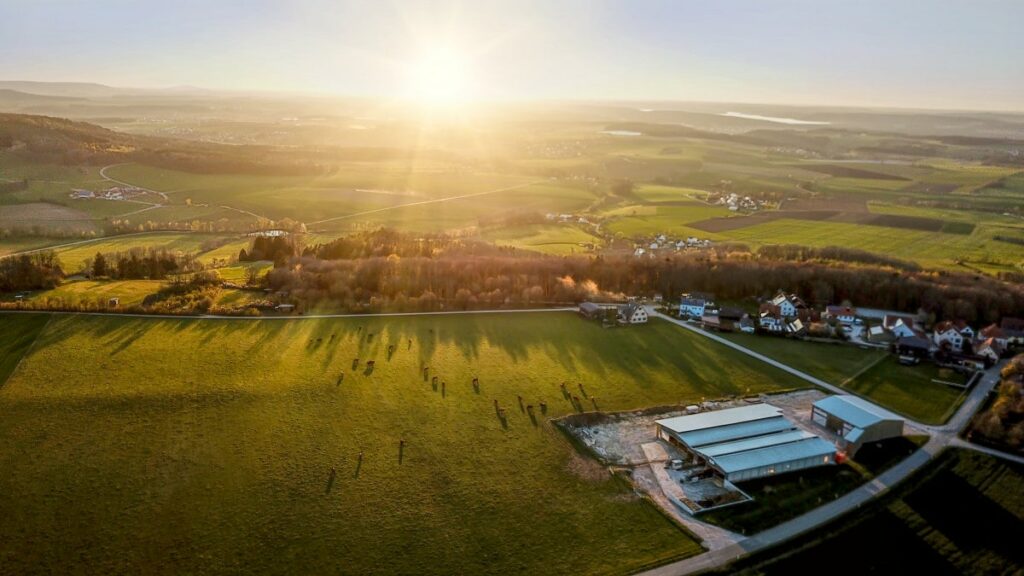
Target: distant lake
point(621, 133)
point(775, 119)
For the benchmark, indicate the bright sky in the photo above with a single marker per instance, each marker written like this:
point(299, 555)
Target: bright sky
point(914, 53)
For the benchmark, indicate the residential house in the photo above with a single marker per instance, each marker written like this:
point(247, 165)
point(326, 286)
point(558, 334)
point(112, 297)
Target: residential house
point(844, 314)
point(1013, 330)
point(695, 305)
point(990, 350)
point(771, 321)
point(796, 328)
point(731, 313)
point(952, 334)
point(995, 333)
point(788, 305)
point(632, 313)
point(899, 326)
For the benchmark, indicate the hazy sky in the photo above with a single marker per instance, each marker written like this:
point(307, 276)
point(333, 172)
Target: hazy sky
point(952, 54)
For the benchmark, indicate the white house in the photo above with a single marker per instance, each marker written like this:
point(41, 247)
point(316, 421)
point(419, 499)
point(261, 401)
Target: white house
point(952, 334)
point(989, 349)
point(694, 305)
point(771, 322)
point(844, 314)
point(899, 326)
point(632, 313)
point(788, 304)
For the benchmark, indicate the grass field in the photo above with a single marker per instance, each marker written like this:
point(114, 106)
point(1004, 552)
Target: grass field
point(961, 514)
point(19, 332)
point(547, 238)
point(72, 258)
point(171, 445)
point(935, 249)
point(872, 373)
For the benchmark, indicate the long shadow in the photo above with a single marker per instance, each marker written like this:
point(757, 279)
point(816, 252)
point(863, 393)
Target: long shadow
point(330, 481)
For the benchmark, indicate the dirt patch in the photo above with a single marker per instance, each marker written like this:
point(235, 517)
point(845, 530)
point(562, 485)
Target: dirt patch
point(40, 212)
point(587, 468)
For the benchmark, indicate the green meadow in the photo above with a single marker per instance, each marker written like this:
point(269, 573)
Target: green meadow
point(209, 446)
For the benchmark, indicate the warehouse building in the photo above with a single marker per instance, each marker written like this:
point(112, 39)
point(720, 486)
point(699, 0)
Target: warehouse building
point(856, 421)
point(746, 442)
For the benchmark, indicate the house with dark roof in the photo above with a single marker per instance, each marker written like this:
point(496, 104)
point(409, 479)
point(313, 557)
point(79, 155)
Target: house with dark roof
point(632, 313)
point(842, 314)
point(898, 325)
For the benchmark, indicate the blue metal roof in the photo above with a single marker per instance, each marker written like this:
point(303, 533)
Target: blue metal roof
point(720, 417)
point(756, 443)
point(739, 431)
point(774, 455)
point(855, 411)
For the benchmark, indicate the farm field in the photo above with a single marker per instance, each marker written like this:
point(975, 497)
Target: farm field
point(547, 238)
point(11, 245)
point(872, 373)
point(227, 433)
point(933, 249)
point(960, 514)
point(73, 257)
point(672, 219)
point(19, 332)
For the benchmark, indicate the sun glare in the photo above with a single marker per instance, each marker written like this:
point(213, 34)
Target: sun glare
point(441, 77)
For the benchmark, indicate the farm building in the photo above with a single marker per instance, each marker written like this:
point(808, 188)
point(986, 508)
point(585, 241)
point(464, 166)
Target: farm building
point(747, 442)
point(856, 421)
point(844, 314)
point(632, 313)
point(591, 310)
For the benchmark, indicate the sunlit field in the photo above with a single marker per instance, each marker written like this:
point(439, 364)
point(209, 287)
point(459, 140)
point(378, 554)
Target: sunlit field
point(217, 439)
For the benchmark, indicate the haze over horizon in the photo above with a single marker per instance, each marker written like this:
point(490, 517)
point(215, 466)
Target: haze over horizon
point(948, 55)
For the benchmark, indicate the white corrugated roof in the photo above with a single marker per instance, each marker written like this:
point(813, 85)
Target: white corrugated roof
point(756, 443)
point(738, 431)
point(717, 418)
point(855, 411)
point(774, 455)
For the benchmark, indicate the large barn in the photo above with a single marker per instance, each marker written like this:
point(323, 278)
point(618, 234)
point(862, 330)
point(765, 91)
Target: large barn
point(856, 421)
point(746, 442)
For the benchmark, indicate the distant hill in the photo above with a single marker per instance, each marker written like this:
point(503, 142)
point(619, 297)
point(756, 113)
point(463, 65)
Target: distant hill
point(9, 96)
point(64, 89)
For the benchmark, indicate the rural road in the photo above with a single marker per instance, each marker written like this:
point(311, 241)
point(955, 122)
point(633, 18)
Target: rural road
point(941, 437)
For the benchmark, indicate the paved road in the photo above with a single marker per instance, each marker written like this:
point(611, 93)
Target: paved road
point(941, 437)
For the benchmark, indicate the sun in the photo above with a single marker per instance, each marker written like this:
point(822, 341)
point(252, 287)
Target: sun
point(441, 76)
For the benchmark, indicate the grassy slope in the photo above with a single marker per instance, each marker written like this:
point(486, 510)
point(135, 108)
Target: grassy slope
point(962, 514)
point(205, 446)
point(547, 238)
point(17, 336)
point(73, 257)
point(903, 389)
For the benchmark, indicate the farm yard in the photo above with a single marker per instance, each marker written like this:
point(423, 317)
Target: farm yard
point(267, 444)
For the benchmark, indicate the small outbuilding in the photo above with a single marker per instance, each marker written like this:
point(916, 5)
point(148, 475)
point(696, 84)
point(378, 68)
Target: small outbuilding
point(856, 421)
point(591, 310)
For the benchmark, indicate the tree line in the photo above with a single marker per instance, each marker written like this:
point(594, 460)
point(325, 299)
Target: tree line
point(36, 271)
point(426, 282)
point(141, 263)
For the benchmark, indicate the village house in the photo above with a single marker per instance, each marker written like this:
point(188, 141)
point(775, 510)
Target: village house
point(899, 326)
point(952, 334)
point(990, 350)
point(695, 305)
point(771, 321)
point(1013, 330)
point(843, 314)
point(632, 313)
point(788, 305)
point(995, 333)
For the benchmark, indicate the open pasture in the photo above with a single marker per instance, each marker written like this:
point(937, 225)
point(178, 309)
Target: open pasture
point(262, 443)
